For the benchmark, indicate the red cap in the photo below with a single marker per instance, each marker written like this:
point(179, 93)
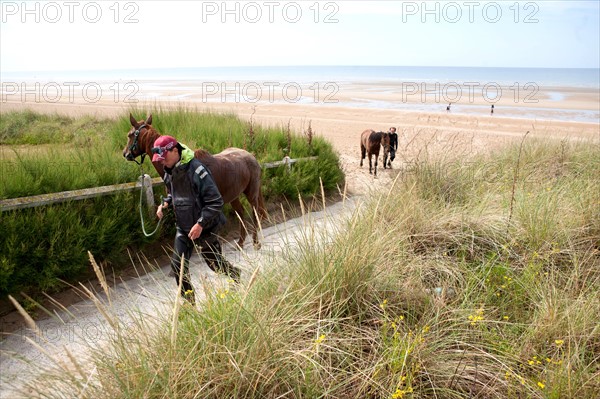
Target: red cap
point(162, 144)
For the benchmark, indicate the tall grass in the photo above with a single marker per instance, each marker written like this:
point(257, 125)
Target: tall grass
point(425, 291)
point(39, 248)
point(82, 153)
point(28, 127)
point(43, 248)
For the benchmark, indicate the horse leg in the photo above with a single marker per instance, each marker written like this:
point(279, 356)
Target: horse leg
point(370, 164)
point(376, 159)
point(385, 156)
point(363, 153)
point(254, 196)
point(239, 210)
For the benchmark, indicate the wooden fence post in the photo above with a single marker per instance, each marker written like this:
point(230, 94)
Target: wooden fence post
point(146, 182)
point(288, 164)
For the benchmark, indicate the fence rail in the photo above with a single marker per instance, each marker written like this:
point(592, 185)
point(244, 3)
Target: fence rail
point(54, 198)
point(286, 161)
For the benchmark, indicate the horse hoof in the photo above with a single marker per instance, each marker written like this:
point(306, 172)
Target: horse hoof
point(257, 246)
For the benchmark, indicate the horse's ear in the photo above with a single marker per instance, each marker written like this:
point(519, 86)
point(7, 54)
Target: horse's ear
point(149, 120)
point(132, 120)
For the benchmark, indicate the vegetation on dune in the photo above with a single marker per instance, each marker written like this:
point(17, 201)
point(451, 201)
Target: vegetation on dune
point(456, 283)
point(43, 247)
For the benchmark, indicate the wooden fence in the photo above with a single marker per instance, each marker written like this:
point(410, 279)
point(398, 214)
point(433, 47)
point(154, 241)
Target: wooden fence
point(149, 183)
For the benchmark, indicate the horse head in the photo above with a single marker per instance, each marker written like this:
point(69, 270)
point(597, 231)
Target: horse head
point(137, 138)
point(140, 140)
point(385, 142)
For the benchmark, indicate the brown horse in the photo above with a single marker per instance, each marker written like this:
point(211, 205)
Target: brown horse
point(235, 171)
point(370, 143)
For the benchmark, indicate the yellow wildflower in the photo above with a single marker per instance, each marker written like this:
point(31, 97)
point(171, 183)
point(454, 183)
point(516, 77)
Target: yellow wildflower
point(541, 385)
point(476, 317)
point(559, 342)
point(382, 304)
point(401, 392)
point(320, 339)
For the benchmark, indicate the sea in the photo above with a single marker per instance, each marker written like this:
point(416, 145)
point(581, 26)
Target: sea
point(558, 84)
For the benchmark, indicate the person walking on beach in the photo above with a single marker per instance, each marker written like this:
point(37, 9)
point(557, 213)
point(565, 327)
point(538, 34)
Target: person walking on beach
point(393, 144)
point(492, 110)
point(198, 206)
point(448, 107)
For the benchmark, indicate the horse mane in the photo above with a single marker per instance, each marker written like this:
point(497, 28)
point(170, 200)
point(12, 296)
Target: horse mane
point(378, 135)
point(147, 140)
point(376, 138)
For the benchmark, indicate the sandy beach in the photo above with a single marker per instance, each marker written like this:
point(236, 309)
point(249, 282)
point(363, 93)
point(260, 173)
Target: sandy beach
point(341, 113)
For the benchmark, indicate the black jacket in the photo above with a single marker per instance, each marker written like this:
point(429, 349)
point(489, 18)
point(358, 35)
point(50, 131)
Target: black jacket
point(194, 196)
point(394, 141)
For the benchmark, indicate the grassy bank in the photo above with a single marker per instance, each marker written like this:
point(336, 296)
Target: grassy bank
point(464, 280)
point(43, 154)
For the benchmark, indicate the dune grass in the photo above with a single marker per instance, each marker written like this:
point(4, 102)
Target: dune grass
point(429, 290)
point(51, 153)
point(40, 154)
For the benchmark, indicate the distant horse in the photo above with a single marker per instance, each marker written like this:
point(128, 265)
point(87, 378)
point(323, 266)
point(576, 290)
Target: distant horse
point(370, 143)
point(234, 170)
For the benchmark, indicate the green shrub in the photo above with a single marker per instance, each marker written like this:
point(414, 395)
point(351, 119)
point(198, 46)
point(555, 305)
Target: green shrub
point(42, 246)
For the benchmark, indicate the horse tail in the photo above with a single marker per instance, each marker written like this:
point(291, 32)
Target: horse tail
point(255, 189)
point(261, 211)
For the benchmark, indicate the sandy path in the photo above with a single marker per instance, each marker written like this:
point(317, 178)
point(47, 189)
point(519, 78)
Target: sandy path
point(151, 295)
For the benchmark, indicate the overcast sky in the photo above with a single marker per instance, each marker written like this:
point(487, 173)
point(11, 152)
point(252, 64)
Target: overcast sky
point(88, 35)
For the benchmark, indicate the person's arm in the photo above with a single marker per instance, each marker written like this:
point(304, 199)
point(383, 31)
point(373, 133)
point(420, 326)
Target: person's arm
point(166, 201)
point(209, 196)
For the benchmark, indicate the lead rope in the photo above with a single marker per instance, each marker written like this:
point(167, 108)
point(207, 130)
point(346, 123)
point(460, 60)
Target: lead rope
point(141, 205)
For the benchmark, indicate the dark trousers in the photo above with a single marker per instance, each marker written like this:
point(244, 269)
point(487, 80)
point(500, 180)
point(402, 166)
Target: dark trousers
point(211, 252)
point(392, 155)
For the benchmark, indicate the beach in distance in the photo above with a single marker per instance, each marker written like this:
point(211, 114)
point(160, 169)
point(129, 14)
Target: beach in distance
point(428, 104)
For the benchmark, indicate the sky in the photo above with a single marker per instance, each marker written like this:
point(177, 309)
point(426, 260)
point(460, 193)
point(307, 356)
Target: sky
point(108, 35)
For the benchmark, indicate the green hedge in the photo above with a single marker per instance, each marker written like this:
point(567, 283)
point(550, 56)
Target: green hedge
point(42, 246)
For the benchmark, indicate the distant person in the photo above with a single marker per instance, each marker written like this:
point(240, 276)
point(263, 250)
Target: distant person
point(492, 110)
point(448, 107)
point(393, 145)
point(198, 205)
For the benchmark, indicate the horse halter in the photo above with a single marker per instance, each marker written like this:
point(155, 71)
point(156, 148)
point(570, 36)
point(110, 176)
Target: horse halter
point(134, 146)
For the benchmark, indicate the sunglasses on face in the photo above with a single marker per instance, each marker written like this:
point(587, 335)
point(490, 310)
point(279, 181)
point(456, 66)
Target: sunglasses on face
point(159, 150)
